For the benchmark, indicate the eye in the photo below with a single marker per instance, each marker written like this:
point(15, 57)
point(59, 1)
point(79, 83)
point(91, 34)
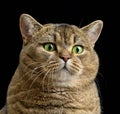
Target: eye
point(49, 47)
point(77, 49)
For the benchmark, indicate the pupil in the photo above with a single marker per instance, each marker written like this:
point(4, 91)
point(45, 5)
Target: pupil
point(77, 50)
point(49, 47)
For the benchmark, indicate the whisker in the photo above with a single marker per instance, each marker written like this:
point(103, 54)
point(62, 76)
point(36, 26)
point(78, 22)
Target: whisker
point(33, 82)
point(50, 79)
point(99, 73)
point(81, 22)
point(44, 79)
point(32, 72)
point(98, 87)
point(25, 75)
point(28, 71)
point(36, 77)
point(31, 75)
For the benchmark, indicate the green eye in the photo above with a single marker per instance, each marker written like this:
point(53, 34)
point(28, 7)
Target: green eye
point(77, 49)
point(49, 47)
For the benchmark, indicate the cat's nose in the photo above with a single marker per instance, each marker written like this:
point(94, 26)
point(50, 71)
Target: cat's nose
point(65, 55)
point(65, 58)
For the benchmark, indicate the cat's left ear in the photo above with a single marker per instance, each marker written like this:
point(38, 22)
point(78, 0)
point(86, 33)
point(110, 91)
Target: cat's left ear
point(28, 27)
point(93, 30)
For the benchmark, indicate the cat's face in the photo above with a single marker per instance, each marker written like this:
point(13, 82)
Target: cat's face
point(61, 55)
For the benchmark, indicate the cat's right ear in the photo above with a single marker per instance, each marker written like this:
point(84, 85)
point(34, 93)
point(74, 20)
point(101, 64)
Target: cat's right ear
point(28, 27)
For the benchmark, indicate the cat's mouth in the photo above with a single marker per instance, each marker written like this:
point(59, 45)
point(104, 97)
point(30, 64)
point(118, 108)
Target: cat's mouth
point(64, 67)
point(71, 67)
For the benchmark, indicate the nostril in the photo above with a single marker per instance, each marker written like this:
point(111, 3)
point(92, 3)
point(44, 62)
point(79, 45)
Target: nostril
point(65, 58)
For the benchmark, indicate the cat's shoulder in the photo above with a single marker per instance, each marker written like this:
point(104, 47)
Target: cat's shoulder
point(3, 110)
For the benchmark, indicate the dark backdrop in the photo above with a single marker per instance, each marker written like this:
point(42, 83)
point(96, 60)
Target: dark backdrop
point(71, 12)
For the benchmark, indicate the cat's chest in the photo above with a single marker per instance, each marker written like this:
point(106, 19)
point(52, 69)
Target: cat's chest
point(69, 102)
point(48, 99)
point(52, 103)
point(46, 103)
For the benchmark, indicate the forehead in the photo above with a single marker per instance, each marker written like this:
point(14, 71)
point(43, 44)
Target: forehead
point(66, 30)
point(62, 32)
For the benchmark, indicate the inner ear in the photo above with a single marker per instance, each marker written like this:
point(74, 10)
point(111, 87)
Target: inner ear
point(93, 30)
point(28, 27)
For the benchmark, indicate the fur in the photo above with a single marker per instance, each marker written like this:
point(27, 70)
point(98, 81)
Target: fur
point(60, 81)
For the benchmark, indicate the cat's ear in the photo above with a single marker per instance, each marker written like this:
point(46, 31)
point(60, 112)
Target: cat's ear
point(93, 30)
point(28, 27)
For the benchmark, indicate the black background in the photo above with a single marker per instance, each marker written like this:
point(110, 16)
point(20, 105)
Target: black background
point(72, 12)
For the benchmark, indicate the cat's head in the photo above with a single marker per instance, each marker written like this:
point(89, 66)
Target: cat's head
point(59, 54)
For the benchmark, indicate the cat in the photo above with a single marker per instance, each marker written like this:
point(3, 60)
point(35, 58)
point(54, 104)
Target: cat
point(57, 69)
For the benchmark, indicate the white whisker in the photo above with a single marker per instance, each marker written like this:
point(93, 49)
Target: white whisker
point(42, 82)
point(37, 76)
point(29, 70)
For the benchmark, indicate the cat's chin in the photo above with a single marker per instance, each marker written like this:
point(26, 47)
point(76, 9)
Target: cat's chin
point(65, 78)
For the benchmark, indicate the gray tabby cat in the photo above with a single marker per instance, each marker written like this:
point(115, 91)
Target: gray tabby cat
point(57, 70)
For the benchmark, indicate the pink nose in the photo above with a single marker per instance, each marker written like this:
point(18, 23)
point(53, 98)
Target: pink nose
point(65, 58)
